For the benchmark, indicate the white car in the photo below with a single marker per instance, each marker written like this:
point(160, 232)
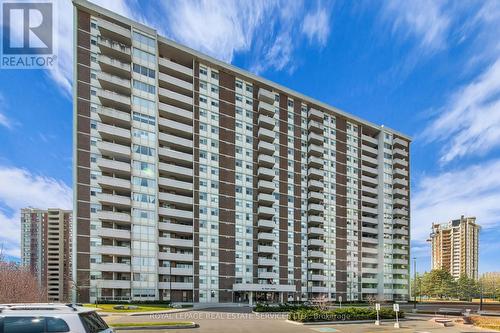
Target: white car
point(50, 318)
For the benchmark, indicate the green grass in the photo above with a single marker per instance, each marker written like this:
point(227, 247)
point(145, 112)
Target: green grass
point(141, 307)
point(159, 323)
point(492, 323)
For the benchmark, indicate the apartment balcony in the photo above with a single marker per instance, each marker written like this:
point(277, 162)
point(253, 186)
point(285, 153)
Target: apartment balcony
point(399, 231)
point(265, 186)
point(113, 149)
point(175, 170)
point(113, 99)
point(266, 236)
point(400, 202)
point(400, 193)
point(175, 156)
point(175, 213)
point(368, 260)
point(265, 96)
point(369, 150)
point(314, 161)
point(184, 257)
point(370, 160)
point(400, 212)
point(315, 185)
point(113, 233)
point(266, 108)
point(169, 64)
point(315, 208)
point(315, 114)
point(315, 254)
point(110, 115)
point(399, 251)
point(112, 267)
point(111, 132)
point(265, 173)
point(113, 216)
point(369, 290)
point(369, 139)
point(400, 281)
point(370, 270)
point(315, 231)
point(399, 271)
point(315, 197)
point(316, 277)
point(177, 199)
point(176, 128)
point(315, 289)
point(172, 184)
point(266, 122)
point(369, 230)
point(113, 250)
point(267, 262)
point(264, 198)
point(315, 219)
point(369, 170)
point(265, 224)
point(402, 222)
point(175, 285)
point(315, 138)
point(175, 242)
point(176, 228)
point(113, 182)
point(369, 180)
point(400, 241)
point(266, 249)
point(371, 250)
point(400, 172)
point(266, 135)
point(178, 83)
point(400, 182)
point(266, 148)
point(113, 284)
point(401, 261)
point(400, 153)
point(369, 210)
point(268, 275)
point(315, 150)
point(369, 200)
point(114, 66)
point(114, 200)
point(369, 240)
point(264, 212)
point(265, 160)
point(400, 162)
point(399, 142)
point(177, 98)
point(114, 83)
point(316, 265)
point(113, 166)
point(175, 141)
point(314, 126)
point(109, 27)
point(113, 48)
point(316, 242)
point(175, 271)
point(175, 113)
point(369, 280)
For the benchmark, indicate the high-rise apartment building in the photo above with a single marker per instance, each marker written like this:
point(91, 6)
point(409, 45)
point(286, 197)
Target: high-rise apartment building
point(197, 181)
point(46, 237)
point(455, 247)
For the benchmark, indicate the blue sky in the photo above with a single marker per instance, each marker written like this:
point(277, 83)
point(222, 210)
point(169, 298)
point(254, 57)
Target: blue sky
point(430, 69)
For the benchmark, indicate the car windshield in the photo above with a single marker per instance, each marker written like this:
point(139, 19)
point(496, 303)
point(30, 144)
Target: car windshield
point(92, 322)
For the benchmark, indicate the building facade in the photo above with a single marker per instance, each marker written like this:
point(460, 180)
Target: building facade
point(46, 237)
point(455, 247)
point(196, 181)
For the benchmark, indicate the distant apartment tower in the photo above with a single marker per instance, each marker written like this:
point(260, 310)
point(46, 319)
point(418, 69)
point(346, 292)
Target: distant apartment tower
point(46, 249)
point(196, 181)
point(455, 247)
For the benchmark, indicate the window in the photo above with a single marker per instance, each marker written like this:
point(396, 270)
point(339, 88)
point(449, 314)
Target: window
point(56, 325)
point(142, 197)
point(144, 150)
point(142, 134)
point(143, 39)
point(34, 325)
point(144, 87)
point(239, 84)
point(144, 71)
point(146, 182)
point(143, 55)
point(144, 118)
point(203, 70)
point(215, 75)
point(92, 322)
point(145, 103)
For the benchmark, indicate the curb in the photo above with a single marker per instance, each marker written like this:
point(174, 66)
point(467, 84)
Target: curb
point(131, 314)
point(154, 327)
point(342, 322)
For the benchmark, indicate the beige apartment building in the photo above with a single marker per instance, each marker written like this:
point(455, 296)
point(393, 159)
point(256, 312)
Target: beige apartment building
point(46, 249)
point(455, 247)
point(196, 181)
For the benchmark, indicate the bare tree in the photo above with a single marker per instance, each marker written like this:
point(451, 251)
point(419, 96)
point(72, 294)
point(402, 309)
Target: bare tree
point(18, 284)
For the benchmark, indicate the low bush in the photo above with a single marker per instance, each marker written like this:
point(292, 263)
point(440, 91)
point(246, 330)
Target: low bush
point(287, 307)
point(341, 314)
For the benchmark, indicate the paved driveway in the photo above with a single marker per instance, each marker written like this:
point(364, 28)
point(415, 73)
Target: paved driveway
point(239, 320)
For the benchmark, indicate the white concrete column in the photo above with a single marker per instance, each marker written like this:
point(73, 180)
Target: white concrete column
point(281, 297)
point(251, 298)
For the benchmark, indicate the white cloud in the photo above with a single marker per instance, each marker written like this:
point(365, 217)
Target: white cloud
point(425, 20)
point(471, 191)
point(470, 121)
point(316, 26)
point(4, 120)
point(21, 189)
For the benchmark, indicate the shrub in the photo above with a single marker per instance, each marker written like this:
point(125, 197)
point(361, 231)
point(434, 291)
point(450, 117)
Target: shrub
point(341, 314)
point(280, 307)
